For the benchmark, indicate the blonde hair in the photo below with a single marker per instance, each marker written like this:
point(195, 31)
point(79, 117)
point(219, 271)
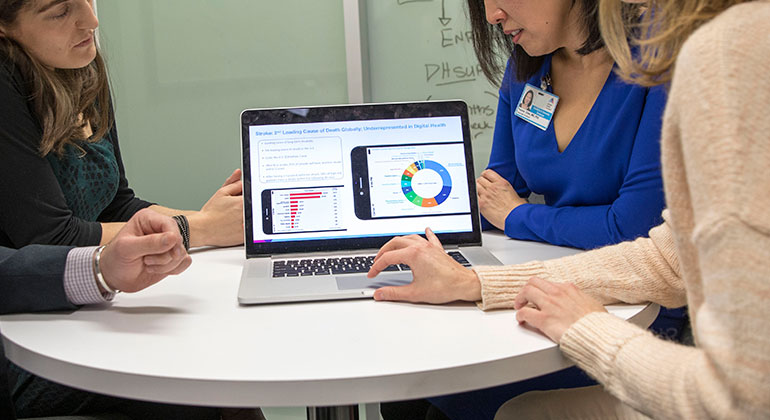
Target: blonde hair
point(658, 33)
point(63, 100)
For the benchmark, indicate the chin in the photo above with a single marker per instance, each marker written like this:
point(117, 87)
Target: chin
point(535, 51)
point(79, 58)
point(531, 51)
point(81, 62)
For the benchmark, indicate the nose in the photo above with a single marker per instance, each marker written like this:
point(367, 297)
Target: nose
point(495, 15)
point(87, 18)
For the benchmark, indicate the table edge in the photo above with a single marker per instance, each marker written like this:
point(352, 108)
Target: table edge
point(332, 391)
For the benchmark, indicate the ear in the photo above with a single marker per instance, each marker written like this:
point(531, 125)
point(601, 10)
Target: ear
point(5, 31)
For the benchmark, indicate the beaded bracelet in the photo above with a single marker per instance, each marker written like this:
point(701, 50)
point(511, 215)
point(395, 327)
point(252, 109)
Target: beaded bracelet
point(184, 229)
point(98, 271)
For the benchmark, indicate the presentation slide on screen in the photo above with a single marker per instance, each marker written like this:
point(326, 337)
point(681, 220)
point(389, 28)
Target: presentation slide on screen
point(302, 179)
point(417, 180)
point(305, 210)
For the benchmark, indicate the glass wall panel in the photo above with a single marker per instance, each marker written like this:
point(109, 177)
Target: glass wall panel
point(183, 70)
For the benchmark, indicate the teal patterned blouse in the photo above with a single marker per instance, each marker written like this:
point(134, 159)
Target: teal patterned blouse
point(88, 180)
point(55, 200)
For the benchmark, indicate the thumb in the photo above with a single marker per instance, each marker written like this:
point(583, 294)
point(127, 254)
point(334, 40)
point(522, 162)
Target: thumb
point(132, 248)
point(235, 176)
point(392, 293)
point(234, 189)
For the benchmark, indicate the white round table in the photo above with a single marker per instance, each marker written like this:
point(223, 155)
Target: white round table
point(186, 340)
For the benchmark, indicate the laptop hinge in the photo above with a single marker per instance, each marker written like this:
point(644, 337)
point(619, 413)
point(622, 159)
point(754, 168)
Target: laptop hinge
point(309, 255)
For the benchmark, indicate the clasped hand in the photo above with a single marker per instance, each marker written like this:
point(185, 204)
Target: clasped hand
point(146, 250)
point(497, 198)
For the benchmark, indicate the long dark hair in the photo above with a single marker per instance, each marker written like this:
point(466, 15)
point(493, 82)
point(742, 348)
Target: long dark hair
point(493, 48)
point(59, 96)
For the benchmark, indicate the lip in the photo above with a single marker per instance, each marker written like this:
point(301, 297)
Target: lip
point(517, 35)
point(85, 42)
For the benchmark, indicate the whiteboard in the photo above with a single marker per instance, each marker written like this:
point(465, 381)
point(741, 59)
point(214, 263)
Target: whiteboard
point(422, 49)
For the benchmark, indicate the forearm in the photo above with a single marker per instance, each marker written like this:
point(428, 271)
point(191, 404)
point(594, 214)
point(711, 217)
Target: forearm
point(587, 227)
point(219, 222)
point(643, 270)
point(199, 225)
point(642, 371)
point(166, 211)
point(109, 230)
point(667, 380)
point(31, 279)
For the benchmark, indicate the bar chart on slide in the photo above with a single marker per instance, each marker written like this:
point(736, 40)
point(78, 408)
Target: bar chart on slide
point(306, 210)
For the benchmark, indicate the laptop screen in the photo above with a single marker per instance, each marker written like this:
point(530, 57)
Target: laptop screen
point(354, 176)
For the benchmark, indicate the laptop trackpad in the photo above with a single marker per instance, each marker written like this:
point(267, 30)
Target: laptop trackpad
point(363, 282)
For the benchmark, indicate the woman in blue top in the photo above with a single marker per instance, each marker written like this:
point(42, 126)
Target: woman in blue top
point(597, 164)
point(600, 180)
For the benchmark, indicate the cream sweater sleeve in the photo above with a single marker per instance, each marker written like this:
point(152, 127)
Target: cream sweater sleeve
point(727, 376)
point(646, 269)
point(717, 154)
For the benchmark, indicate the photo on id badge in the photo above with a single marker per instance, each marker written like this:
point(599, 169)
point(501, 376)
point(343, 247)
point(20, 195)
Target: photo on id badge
point(536, 106)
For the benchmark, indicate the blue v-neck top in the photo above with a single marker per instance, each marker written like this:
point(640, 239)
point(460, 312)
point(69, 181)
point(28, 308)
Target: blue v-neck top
point(604, 188)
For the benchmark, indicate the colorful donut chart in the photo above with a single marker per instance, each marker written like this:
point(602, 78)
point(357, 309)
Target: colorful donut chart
point(406, 183)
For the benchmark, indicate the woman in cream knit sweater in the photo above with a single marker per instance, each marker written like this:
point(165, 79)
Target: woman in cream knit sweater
point(712, 253)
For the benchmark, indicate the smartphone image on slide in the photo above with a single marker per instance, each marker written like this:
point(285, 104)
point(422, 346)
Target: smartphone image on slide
point(301, 210)
point(409, 180)
point(360, 170)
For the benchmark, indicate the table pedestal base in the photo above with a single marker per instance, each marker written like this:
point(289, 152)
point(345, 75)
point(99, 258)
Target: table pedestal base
point(343, 412)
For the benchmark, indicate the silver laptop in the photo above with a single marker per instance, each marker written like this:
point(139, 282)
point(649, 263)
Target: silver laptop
point(325, 187)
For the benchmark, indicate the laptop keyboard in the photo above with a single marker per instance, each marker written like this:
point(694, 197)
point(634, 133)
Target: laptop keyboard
point(340, 265)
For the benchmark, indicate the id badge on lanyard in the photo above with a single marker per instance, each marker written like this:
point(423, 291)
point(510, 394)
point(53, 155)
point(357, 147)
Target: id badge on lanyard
point(536, 106)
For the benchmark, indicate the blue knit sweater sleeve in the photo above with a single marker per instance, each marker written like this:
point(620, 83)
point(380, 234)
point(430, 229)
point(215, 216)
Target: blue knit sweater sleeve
point(634, 211)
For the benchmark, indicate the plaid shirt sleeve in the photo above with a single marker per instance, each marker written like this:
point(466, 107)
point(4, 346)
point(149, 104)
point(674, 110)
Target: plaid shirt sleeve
point(80, 280)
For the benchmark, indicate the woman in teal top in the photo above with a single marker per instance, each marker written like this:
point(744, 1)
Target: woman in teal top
point(63, 180)
point(63, 177)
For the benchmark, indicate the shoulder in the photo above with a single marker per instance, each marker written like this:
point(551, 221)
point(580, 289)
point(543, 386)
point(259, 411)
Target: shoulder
point(736, 37)
point(728, 55)
point(508, 78)
point(18, 123)
point(748, 16)
point(11, 81)
point(14, 91)
point(718, 98)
